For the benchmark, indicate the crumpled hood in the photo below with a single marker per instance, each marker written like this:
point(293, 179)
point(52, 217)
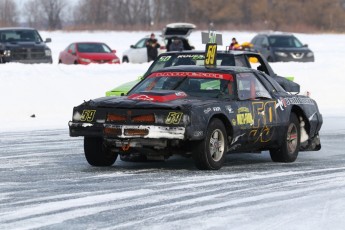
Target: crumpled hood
point(160, 99)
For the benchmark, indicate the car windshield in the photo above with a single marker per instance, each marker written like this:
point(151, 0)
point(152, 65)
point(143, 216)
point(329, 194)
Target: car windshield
point(206, 85)
point(20, 36)
point(285, 42)
point(93, 48)
point(196, 59)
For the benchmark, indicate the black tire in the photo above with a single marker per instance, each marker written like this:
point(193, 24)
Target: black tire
point(76, 63)
point(97, 153)
point(125, 59)
point(288, 151)
point(209, 154)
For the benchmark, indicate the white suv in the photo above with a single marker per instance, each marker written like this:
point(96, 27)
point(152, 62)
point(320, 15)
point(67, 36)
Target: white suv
point(138, 54)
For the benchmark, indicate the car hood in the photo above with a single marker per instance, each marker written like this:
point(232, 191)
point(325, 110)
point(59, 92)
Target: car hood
point(97, 56)
point(160, 99)
point(25, 45)
point(296, 50)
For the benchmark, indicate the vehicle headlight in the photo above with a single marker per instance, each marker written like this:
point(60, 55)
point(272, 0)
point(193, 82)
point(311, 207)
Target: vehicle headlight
point(310, 54)
point(115, 60)
point(48, 52)
point(282, 54)
point(7, 53)
point(84, 60)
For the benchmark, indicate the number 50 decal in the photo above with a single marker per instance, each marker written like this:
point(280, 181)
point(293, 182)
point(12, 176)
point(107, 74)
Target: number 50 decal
point(264, 115)
point(211, 54)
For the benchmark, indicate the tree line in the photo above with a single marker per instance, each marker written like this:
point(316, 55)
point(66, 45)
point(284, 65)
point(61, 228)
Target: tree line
point(293, 15)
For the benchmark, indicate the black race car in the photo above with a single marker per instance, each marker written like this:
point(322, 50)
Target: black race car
point(199, 112)
point(197, 58)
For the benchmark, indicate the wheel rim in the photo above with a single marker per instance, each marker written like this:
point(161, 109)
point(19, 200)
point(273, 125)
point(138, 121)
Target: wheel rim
point(292, 138)
point(217, 145)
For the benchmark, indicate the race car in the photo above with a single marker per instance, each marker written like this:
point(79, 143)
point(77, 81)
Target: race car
point(197, 57)
point(199, 112)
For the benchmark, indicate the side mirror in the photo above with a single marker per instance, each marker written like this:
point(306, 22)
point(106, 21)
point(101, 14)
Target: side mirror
point(48, 40)
point(70, 51)
point(305, 45)
point(133, 46)
point(113, 51)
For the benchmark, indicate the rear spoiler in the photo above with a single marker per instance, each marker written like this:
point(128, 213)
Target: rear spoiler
point(288, 85)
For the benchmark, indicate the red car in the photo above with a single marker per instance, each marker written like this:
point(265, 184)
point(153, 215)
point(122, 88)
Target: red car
point(88, 52)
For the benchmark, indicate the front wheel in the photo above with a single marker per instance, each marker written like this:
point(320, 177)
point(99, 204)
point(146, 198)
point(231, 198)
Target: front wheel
point(288, 151)
point(97, 153)
point(209, 154)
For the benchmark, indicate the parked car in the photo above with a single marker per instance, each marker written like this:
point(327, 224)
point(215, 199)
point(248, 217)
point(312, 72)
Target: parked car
point(138, 54)
point(88, 52)
point(198, 112)
point(282, 47)
point(197, 57)
point(23, 45)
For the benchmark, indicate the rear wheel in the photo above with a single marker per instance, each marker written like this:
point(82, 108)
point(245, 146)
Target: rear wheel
point(288, 151)
point(210, 152)
point(97, 153)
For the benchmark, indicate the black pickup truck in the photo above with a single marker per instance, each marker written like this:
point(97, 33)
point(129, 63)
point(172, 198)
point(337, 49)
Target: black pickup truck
point(24, 45)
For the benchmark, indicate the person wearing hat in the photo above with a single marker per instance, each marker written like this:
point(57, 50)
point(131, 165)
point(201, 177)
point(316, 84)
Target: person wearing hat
point(152, 48)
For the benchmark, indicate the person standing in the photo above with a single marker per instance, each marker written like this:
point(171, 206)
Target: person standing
point(234, 44)
point(152, 48)
point(176, 45)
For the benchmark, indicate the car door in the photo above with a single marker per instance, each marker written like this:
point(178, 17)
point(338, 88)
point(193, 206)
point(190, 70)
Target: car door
point(255, 113)
point(71, 54)
point(138, 52)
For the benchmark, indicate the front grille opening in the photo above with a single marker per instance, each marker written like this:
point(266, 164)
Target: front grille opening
point(116, 118)
point(136, 132)
point(147, 118)
point(112, 131)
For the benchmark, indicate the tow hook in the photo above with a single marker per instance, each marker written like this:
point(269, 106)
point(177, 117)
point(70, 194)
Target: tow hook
point(125, 145)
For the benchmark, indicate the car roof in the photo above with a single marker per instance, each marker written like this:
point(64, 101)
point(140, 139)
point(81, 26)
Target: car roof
point(16, 28)
point(220, 69)
point(234, 52)
point(275, 33)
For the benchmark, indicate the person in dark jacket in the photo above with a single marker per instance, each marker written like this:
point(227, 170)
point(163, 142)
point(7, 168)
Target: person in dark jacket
point(176, 45)
point(234, 44)
point(152, 48)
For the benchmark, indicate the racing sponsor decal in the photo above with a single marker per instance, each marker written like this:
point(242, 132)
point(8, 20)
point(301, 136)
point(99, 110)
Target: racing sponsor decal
point(192, 56)
point(158, 98)
point(211, 54)
point(174, 118)
point(224, 76)
point(141, 97)
point(206, 111)
point(87, 115)
point(233, 122)
point(264, 116)
point(244, 117)
point(281, 104)
point(216, 109)
point(229, 108)
point(164, 58)
point(298, 101)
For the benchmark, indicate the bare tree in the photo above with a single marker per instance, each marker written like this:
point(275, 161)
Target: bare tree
point(45, 12)
point(8, 13)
